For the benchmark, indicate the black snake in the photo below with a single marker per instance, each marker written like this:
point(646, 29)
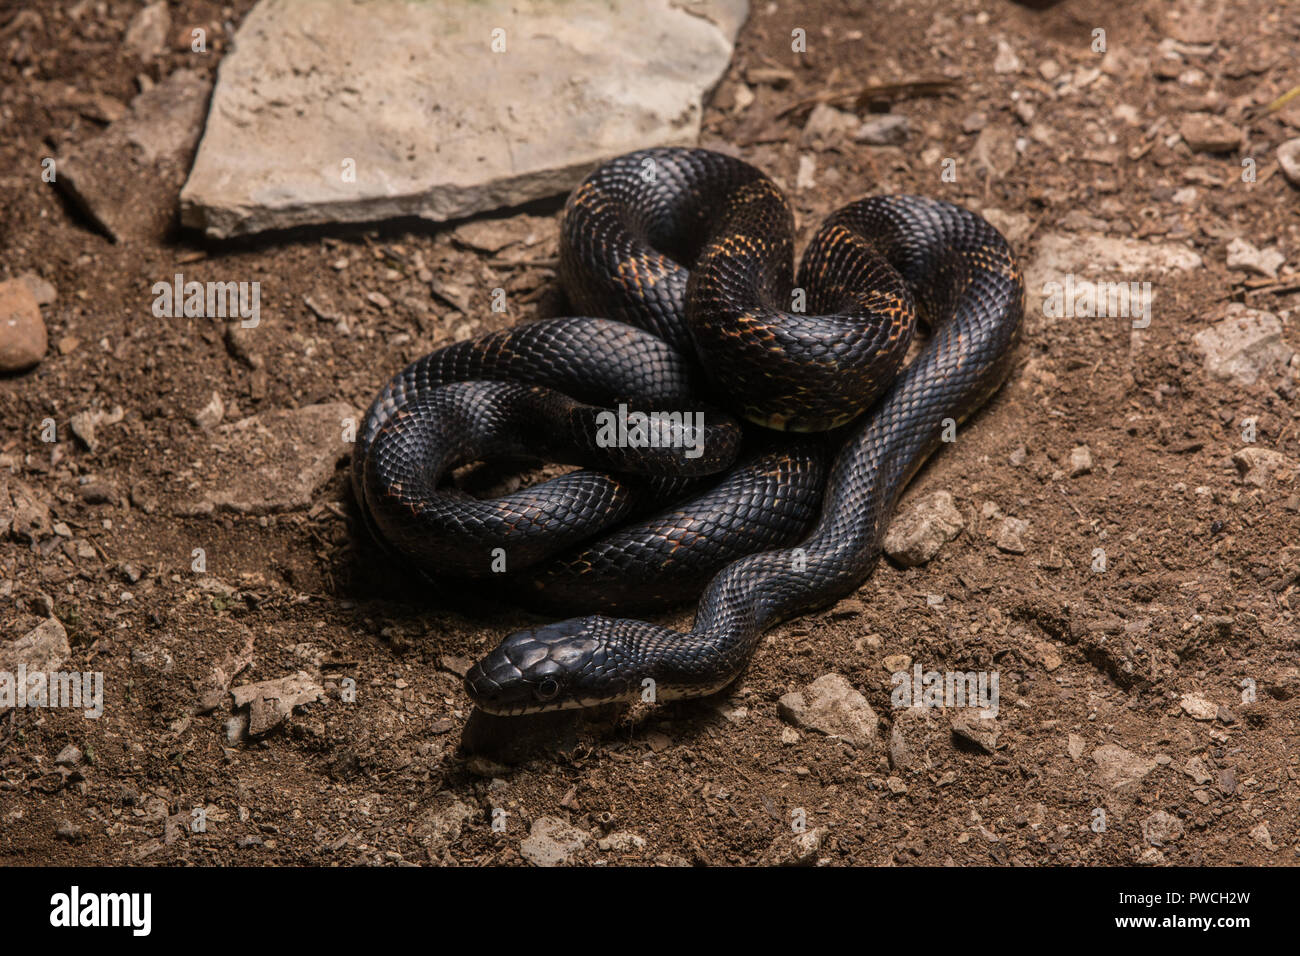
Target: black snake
point(688, 256)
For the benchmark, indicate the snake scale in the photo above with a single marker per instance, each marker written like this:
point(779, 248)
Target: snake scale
point(767, 423)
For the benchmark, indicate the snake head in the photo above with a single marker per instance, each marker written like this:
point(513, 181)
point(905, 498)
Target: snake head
point(557, 667)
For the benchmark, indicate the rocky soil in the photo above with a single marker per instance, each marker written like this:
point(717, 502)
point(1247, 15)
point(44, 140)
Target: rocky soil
point(1116, 537)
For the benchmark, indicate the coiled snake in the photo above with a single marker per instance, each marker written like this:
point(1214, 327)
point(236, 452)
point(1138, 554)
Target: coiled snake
point(687, 256)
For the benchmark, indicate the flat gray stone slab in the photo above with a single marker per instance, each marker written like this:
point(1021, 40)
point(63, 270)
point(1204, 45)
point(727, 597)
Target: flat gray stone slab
point(1071, 265)
point(337, 112)
point(273, 462)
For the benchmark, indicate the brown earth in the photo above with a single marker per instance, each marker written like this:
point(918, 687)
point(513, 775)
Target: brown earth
point(1202, 566)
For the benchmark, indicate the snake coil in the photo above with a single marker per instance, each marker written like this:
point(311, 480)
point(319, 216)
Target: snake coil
point(687, 256)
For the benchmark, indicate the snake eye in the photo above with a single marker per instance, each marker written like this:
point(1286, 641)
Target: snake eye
point(548, 688)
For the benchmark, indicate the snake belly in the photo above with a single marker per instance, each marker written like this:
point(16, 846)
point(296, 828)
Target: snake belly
point(689, 253)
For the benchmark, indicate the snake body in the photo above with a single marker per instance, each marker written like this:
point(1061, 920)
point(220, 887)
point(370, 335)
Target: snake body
point(689, 255)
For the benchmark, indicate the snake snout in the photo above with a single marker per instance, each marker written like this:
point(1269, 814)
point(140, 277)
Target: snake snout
point(534, 670)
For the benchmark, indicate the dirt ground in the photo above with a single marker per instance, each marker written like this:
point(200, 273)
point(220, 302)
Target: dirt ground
point(1197, 600)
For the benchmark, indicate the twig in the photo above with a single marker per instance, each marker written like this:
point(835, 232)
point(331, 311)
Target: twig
point(1081, 515)
point(1280, 102)
point(906, 89)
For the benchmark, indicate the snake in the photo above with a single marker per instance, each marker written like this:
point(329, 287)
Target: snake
point(777, 419)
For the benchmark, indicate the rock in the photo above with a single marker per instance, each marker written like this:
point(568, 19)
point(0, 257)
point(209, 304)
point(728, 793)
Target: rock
point(98, 493)
point(1197, 707)
point(153, 658)
point(146, 34)
point(1227, 781)
point(69, 832)
point(270, 702)
point(1117, 767)
point(1260, 466)
point(994, 151)
point(622, 842)
point(210, 415)
point(901, 755)
point(1288, 157)
point(731, 714)
point(973, 731)
point(175, 826)
point(832, 706)
point(24, 513)
point(742, 99)
point(1006, 60)
point(1011, 534)
point(43, 291)
point(23, 340)
point(1261, 835)
point(69, 756)
point(1046, 654)
point(1080, 461)
point(235, 728)
point(85, 425)
point(1205, 133)
point(1075, 745)
point(1243, 346)
point(917, 536)
point(897, 663)
point(1242, 255)
point(103, 108)
point(455, 664)
point(273, 462)
point(1197, 770)
point(1091, 257)
point(1014, 226)
point(805, 176)
point(794, 849)
point(1049, 70)
point(39, 652)
point(826, 127)
point(493, 235)
point(1161, 828)
point(887, 130)
point(128, 177)
point(552, 842)
point(440, 827)
point(143, 499)
point(406, 108)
